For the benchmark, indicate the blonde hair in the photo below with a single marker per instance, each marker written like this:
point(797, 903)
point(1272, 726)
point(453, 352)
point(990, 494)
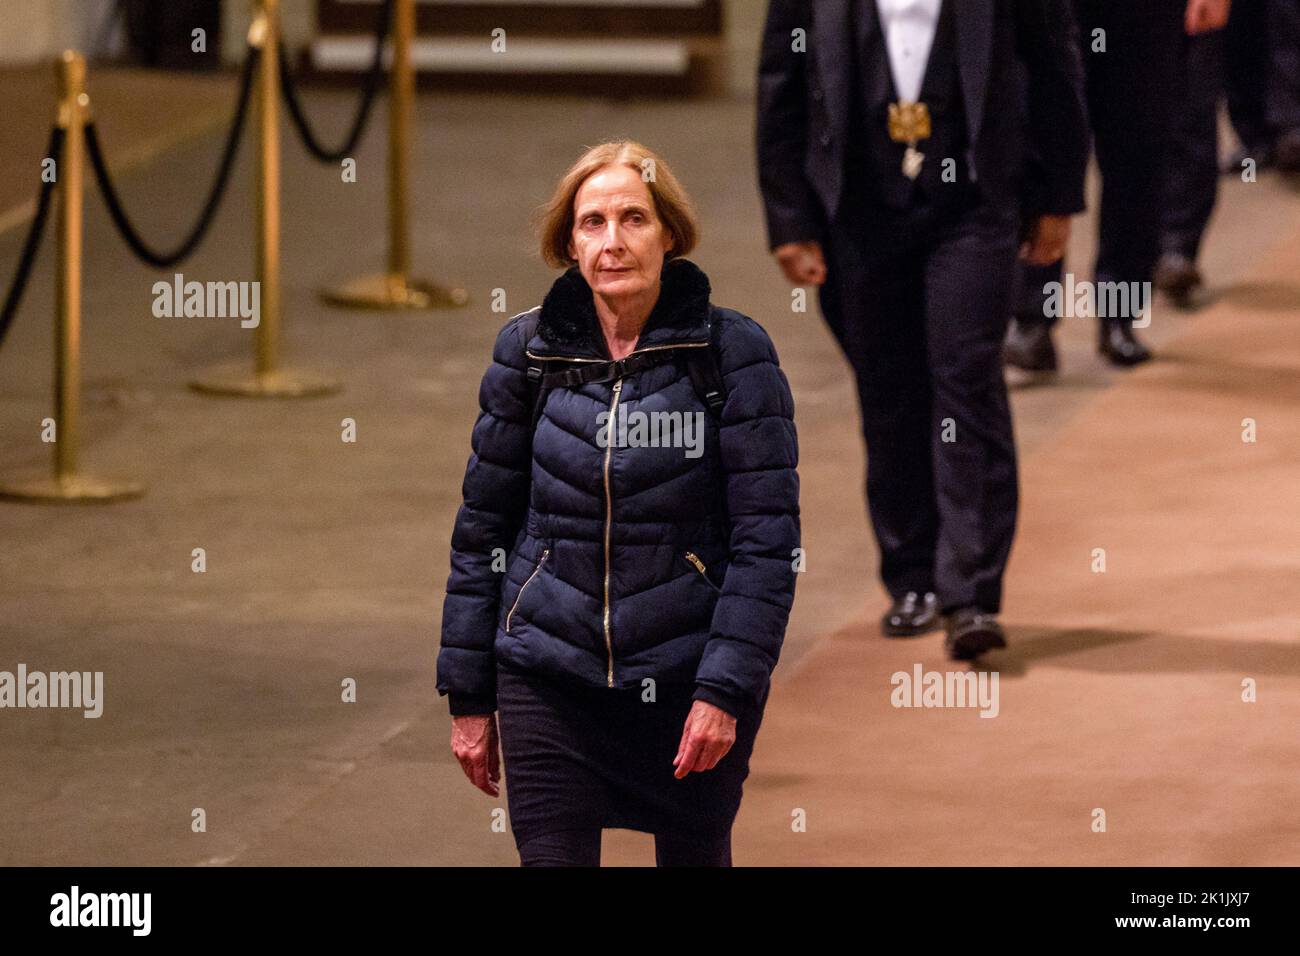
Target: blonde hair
point(672, 205)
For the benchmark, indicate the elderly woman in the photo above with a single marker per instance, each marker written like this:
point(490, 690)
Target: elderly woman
point(623, 565)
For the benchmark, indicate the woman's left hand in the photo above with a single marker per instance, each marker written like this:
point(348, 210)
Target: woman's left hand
point(708, 735)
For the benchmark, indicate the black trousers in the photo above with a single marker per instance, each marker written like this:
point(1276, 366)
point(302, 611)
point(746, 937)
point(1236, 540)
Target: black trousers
point(1264, 68)
point(1192, 171)
point(918, 300)
point(1282, 103)
point(1245, 71)
point(1131, 90)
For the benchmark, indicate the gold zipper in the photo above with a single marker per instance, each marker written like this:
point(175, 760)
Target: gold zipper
point(545, 552)
point(609, 504)
point(609, 517)
point(699, 566)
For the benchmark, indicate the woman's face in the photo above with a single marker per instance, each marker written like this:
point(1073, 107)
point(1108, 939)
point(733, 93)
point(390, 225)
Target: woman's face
point(618, 240)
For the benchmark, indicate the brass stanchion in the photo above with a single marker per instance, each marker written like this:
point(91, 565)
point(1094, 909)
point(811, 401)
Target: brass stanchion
point(268, 380)
point(67, 484)
point(395, 289)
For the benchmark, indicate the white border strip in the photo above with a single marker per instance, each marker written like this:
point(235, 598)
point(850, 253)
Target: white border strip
point(522, 55)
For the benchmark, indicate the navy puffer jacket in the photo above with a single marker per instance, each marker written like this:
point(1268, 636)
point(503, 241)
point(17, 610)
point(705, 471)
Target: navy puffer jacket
point(609, 563)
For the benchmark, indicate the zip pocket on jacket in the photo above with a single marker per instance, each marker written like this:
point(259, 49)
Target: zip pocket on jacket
point(693, 559)
point(540, 562)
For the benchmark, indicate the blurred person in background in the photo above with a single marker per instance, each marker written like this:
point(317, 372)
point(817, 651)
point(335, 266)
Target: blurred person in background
point(1192, 168)
point(1262, 74)
point(1256, 60)
point(1130, 53)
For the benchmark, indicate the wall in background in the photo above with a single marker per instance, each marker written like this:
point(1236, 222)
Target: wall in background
point(36, 30)
point(743, 23)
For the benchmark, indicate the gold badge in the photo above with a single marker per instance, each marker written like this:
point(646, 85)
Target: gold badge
point(910, 123)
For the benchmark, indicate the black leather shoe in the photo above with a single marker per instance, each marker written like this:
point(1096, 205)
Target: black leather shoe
point(1029, 347)
point(1120, 345)
point(1177, 276)
point(912, 614)
point(971, 632)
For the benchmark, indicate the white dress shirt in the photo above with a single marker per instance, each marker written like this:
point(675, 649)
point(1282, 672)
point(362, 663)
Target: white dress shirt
point(909, 27)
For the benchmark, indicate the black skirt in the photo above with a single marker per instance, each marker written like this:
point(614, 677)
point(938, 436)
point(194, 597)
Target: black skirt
point(579, 757)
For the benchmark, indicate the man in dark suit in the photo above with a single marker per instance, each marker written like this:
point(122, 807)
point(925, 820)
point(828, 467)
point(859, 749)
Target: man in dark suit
point(1130, 51)
point(1256, 61)
point(894, 150)
point(1191, 181)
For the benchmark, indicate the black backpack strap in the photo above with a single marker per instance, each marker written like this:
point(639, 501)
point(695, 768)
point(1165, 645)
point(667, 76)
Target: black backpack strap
point(701, 364)
point(706, 375)
point(535, 369)
point(546, 374)
point(587, 372)
point(537, 389)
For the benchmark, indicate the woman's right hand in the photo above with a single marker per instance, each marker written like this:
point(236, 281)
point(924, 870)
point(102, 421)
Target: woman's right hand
point(475, 744)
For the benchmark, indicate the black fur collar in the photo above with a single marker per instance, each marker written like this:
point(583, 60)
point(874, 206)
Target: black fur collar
point(568, 316)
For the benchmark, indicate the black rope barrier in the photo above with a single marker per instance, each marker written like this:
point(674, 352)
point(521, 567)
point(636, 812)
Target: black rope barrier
point(368, 92)
point(117, 212)
point(32, 245)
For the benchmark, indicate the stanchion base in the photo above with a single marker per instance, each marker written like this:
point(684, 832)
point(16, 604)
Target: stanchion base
point(391, 292)
point(284, 383)
point(69, 489)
